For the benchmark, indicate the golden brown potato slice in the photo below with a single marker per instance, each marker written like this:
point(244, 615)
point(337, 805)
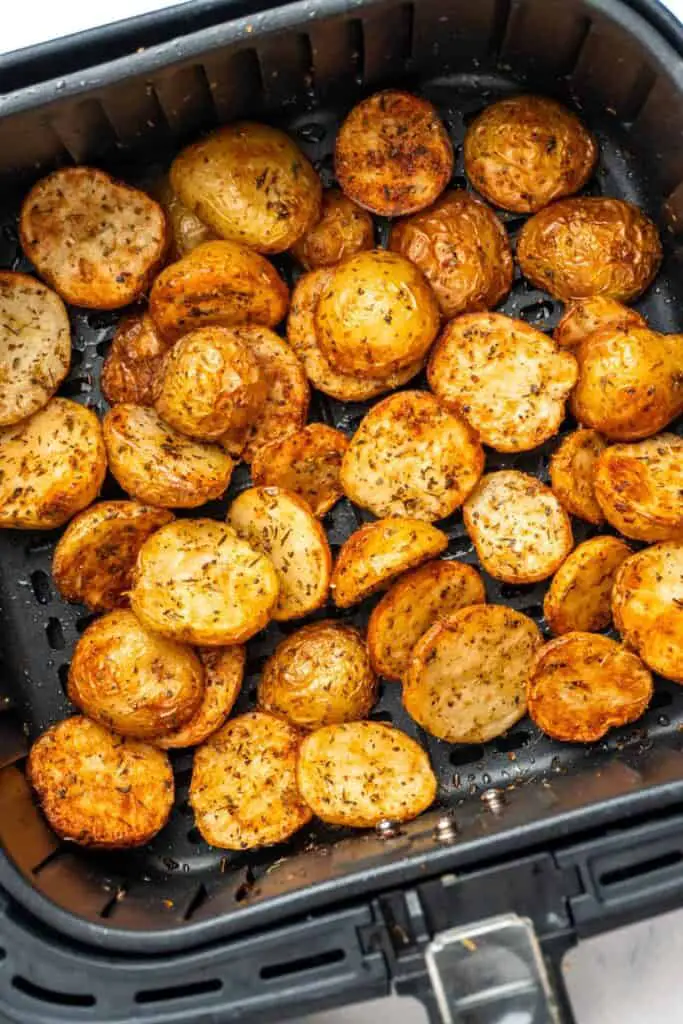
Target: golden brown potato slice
point(95, 240)
point(412, 605)
point(360, 773)
point(374, 555)
point(282, 526)
point(585, 316)
point(583, 684)
point(647, 587)
point(99, 789)
point(35, 346)
point(580, 594)
point(508, 380)
point(393, 155)
point(187, 230)
point(320, 675)
point(306, 463)
point(159, 466)
point(133, 365)
point(639, 487)
point(94, 559)
point(577, 248)
point(197, 581)
point(572, 468)
point(462, 249)
point(343, 230)
point(51, 466)
point(244, 791)
point(663, 647)
point(410, 457)
point(521, 532)
point(223, 674)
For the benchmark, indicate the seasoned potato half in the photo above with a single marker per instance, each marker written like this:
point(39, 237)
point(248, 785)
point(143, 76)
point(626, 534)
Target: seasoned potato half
point(663, 647)
point(466, 678)
point(577, 248)
point(198, 582)
point(378, 552)
point(585, 316)
point(320, 675)
point(35, 346)
point(307, 463)
point(583, 684)
point(410, 457)
point(508, 380)
point(343, 230)
point(132, 367)
point(520, 530)
point(572, 468)
point(95, 240)
point(360, 773)
point(99, 789)
point(580, 594)
point(244, 791)
point(159, 466)
point(525, 151)
point(223, 674)
point(94, 559)
point(462, 249)
point(647, 587)
point(187, 230)
point(282, 526)
point(639, 487)
point(412, 605)
point(51, 466)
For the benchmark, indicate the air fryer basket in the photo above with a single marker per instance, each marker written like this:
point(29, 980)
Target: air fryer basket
point(302, 66)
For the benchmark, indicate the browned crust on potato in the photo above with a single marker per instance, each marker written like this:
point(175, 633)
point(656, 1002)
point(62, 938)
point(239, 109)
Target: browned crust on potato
point(580, 593)
point(132, 367)
point(572, 468)
point(307, 463)
point(223, 674)
point(663, 647)
point(343, 230)
point(647, 587)
point(585, 316)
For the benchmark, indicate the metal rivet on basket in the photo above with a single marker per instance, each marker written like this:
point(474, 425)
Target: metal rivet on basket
point(446, 829)
point(494, 800)
point(388, 829)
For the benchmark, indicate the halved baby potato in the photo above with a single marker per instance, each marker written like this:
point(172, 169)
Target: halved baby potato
point(132, 367)
point(580, 594)
point(223, 674)
point(572, 468)
point(343, 230)
point(648, 586)
point(187, 230)
point(307, 463)
point(663, 647)
point(586, 316)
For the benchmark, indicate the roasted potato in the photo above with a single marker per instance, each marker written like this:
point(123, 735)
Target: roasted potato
point(223, 674)
point(413, 604)
point(378, 552)
point(648, 587)
point(572, 468)
point(159, 466)
point(466, 678)
point(133, 365)
point(99, 789)
point(524, 151)
point(521, 532)
point(343, 230)
point(249, 183)
point(578, 248)
point(585, 316)
point(507, 379)
point(244, 791)
point(51, 466)
point(307, 463)
point(197, 581)
point(663, 647)
point(220, 283)
point(187, 230)
point(320, 675)
point(35, 346)
point(393, 155)
point(360, 773)
point(462, 249)
point(410, 457)
point(282, 526)
point(583, 684)
point(95, 556)
point(96, 241)
point(580, 594)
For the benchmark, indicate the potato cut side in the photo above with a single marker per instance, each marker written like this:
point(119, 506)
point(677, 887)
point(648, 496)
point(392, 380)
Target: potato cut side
point(586, 316)
point(133, 365)
point(343, 230)
point(223, 674)
point(572, 469)
point(307, 463)
point(187, 230)
point(647, 587)
point(580, 594)
point(663, 647)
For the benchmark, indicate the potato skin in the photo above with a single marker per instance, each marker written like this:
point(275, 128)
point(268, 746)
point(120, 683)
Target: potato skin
point(343, 230)
point(579, 596)
point(585, 316)
point(134, 363)
point(572, 468)
point(647, 587)
point(99, 789)
point(187, 230)
point(223, 674)
point(307, 463)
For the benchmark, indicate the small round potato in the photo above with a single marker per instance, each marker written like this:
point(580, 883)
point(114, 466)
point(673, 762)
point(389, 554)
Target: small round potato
point(197, 581)
point(462, 249)
point(583, 684)
point(343, 230)
point(525, 151)
point(572, 468)
point(96, 241)
point(521, 532)
point(307, 463)
point(580, 594)
point(378, 552)
point(223, 674)
point(35, 346)
point(282, 526)
point(157, 465)
point(52, 465)
point(648, 586)
point(413, 604)
point(466, 678)
point(244, 791)
point(586, 316)
point(360, 773)
point(187, 230)
point(99, 789)
point(663, 647)
point(409, 457)
point(508, 380)
point(577, 248)
point(320, 675)
point(134, 363)
point(393, 155)
point(639, 487)
point(94, 559)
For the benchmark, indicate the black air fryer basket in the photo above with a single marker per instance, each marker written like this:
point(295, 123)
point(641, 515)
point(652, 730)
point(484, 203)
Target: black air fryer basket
point(574, 838)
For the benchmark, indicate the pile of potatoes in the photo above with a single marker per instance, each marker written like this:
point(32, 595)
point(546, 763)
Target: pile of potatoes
point(198, 379)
